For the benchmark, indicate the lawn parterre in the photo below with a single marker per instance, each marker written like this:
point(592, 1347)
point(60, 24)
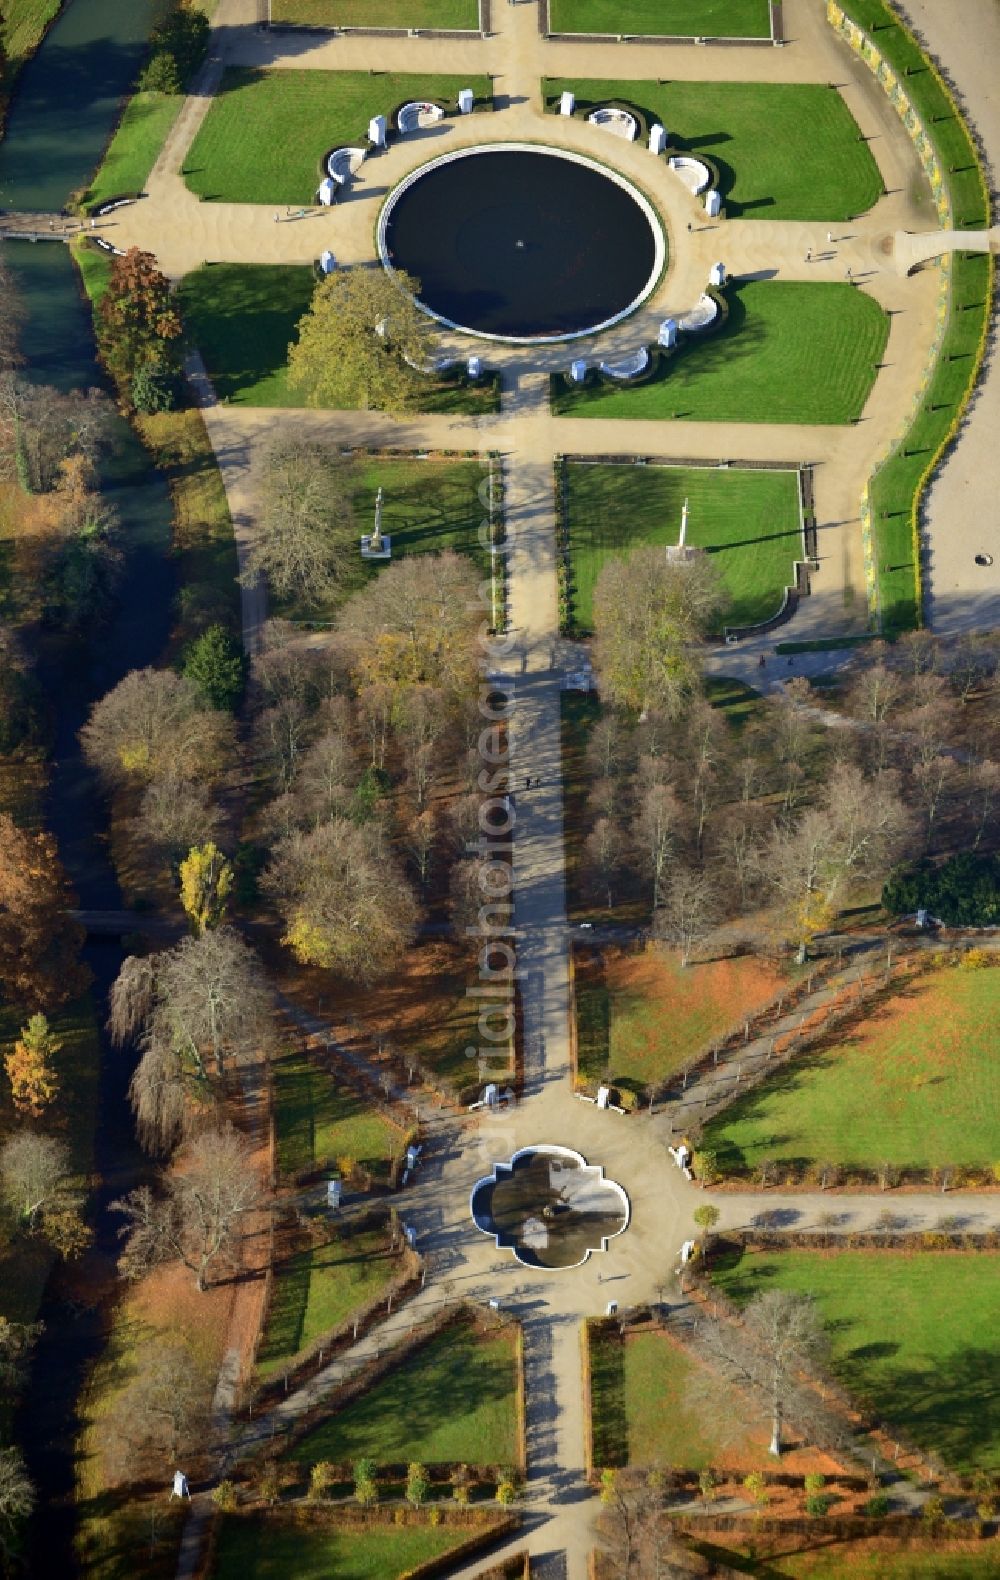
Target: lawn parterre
point(376, 13)
point(316, 1290)
point(750, 522)
point(318, 1120)
point(782, 150)
point(244, 316)
point(454, 1398)
point(789, 351)
point(265, 1548)
point(428, 506)
point(914, 1335)
point(644, 1414)
point(266, 132)
point(828, 1558)
point(642, 1016)
point(695, 18)
point(916, 1085)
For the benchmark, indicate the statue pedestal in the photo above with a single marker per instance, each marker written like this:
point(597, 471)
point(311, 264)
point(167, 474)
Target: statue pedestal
point(368, 553)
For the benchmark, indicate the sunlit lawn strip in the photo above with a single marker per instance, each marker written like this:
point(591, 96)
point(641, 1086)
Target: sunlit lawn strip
point(749, 522)
point(244, 316)
point(24, 22)
point(255, 1548)
point(782, 150)
point(318, 1120)
point(377, 13)
point(454, 1398)
point(132, 153)
point(831, 1558)
point(694, 18)
point(315, 1290)
point(914, 1335)
point(266, 131)
point(790, 351)
point(916, 1085)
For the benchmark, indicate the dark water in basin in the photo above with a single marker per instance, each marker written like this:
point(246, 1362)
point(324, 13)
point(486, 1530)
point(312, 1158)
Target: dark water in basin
point(549, 1209)
point(517, 243)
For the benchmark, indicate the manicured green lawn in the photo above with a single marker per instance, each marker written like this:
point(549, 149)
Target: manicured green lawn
point(918, 1084)
point(243, 317)
point(454, 1398)
point(789, 352)
point(644, 1413)
point(748, 521)
point(266, 1548)
point(914, 1334)
point(266, 132)
point(377, 13)
point(319, 1120)
point(783, 150)
point(132, 152)
point(428, 506)
point(706, 18)
point(318, 1289)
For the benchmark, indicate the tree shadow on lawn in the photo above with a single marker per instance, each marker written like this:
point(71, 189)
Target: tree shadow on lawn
point(950, 1408)
point(439, 1384)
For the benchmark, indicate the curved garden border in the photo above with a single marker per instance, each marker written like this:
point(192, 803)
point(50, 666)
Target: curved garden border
point(652, 218)
point(879, 502)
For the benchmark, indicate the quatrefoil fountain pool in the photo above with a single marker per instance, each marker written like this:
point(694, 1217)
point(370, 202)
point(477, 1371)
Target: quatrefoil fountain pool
point(550, 1207)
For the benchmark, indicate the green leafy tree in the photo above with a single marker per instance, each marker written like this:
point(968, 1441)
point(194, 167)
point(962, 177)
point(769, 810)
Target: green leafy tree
point(358, 340)
point(216, 664)
point(706, 1217)
point(417, 1485)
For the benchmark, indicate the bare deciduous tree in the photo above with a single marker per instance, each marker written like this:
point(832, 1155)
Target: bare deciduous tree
point(17, 1493)
point(305, 543)
point(155, 724)
point(164, 1412)
point(415, 626)
point(193, 1010)
point(689, 910)
point(175, 814)
point(655, 833)
point(34, 1174)
point(345, 904)
point(782, 1338)
point(199, 1220)
point(648, 614)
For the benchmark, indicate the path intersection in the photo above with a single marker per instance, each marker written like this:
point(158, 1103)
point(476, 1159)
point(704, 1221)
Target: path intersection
point(184, 233)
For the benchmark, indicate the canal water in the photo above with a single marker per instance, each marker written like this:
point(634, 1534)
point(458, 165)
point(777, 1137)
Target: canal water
point(64, 111)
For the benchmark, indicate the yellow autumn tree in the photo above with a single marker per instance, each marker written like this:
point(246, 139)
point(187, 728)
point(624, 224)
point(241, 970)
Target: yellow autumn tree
point(33, 1081)
point(206, 883)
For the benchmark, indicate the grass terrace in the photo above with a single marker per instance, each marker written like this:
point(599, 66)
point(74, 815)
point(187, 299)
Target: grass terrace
point(428, 506)
point(750, 520)
point(829, 1557)
point(933, 1369)
point(643, 1413)
point(316, 1290)
point(376, 13)
point(782, 150)
point(266, 131)
point(24, 23)
point(695, 18)
point(789, 351)
point(244, 316)
point(141, 133)
point(257, 1547)
point(454, 1398)
point(319, 1120)
point(916, 1085)
point(640, 1017)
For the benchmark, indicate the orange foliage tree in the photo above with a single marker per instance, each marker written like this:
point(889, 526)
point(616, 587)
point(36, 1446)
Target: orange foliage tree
point(39, 940)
